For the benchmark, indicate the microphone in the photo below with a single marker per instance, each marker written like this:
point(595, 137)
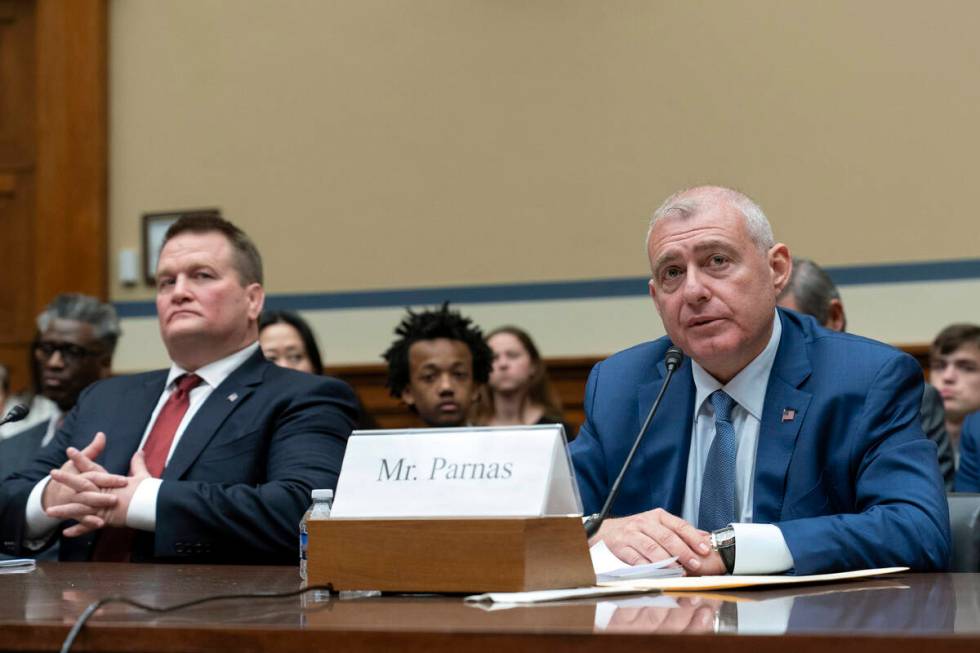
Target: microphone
point(16, 414)
point(672, 360)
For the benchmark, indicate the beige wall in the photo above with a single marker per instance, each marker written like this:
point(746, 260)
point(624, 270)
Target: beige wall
point(370, 144)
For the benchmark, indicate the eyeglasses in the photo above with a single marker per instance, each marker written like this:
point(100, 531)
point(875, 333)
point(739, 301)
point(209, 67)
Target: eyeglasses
point(70, 353)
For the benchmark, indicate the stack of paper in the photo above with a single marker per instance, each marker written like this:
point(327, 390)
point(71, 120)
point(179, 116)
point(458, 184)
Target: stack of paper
point(17, 566)
point(609, 568)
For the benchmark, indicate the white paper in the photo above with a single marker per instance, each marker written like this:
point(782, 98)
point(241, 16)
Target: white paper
point(686, 583)
point(700, 583)
point(608, 567)
point(17, 566)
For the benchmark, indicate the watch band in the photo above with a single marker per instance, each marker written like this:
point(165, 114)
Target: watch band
point(723, 541)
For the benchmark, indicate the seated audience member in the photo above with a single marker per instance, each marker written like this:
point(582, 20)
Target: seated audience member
point(968, 474)
point(793, 446)
point(211, 460)
point(437, 365)
point(954, 360)
point(76, 337)
point(288, 341)
point(519, 391)
point(810, 290)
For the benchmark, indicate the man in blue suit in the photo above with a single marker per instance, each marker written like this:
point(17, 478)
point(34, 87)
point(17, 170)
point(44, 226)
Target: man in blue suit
point(212, 460)
point(968, 475)
point(780, 445)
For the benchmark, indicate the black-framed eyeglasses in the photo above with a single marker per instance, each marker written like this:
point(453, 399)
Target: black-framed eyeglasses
point(70, 353)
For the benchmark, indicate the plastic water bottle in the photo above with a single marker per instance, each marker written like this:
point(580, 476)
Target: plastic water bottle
point(322, 501)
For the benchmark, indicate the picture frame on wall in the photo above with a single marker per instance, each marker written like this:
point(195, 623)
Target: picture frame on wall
point(155, 227)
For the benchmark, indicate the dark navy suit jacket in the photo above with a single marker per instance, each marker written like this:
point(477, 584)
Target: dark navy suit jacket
point(968, 475)
point(17, 451)
point(240, 478)
point(842, 465)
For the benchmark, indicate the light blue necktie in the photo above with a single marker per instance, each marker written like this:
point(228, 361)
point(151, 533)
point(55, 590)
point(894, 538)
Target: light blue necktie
point(717, 508)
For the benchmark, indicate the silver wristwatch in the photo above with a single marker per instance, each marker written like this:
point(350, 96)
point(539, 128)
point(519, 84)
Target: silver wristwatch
point(723, 541)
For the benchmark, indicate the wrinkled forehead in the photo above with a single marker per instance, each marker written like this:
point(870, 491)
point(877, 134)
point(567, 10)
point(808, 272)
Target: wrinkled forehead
point(683, 230)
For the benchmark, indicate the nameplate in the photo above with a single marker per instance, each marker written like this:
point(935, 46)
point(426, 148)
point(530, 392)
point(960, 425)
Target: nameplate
point(462, 472)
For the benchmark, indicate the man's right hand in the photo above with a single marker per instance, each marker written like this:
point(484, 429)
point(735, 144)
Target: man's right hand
point(87, 477)
point(656, 535)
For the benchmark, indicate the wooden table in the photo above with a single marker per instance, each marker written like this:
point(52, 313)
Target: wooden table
point(928, 613)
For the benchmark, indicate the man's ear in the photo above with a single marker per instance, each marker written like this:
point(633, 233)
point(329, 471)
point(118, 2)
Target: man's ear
point(105, 367)
point(407, 396)
point(652, 288)
point(255, 296)
point(781, 264)
point(836, 319)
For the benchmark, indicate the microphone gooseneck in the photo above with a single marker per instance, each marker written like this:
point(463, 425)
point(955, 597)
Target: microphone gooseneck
point(16, 414)
point(672, 360)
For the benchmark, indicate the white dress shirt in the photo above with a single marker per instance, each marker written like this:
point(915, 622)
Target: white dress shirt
point(143, 506)
point(759, 548)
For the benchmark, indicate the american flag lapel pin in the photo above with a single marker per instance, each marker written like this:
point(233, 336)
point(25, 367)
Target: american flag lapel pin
point(789, 414)
point(234, 395)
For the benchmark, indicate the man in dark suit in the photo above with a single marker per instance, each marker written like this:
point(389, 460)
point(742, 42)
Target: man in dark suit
point(76, 337)
point(212, 460)
point(810, 290)
point(780, 445)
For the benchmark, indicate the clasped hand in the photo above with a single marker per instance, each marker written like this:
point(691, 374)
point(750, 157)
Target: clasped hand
point(656, 535)
point(84, 491)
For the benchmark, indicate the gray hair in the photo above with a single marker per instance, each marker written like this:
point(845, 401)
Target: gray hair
point(82, 308)
point(690, 201)
point(812, 289)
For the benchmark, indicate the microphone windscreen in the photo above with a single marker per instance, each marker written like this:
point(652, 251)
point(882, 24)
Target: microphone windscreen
point(17, 413)
point(673, 357)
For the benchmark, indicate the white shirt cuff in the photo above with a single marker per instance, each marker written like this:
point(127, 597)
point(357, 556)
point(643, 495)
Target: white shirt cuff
point(760, 549)
point(142, 513)
point(37, 522)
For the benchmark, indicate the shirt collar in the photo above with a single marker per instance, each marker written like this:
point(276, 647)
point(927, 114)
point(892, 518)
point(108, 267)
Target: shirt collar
point(748, 387)
point(215, 373)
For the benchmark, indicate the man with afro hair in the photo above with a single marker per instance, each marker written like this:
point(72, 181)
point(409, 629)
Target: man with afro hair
point(437, 365)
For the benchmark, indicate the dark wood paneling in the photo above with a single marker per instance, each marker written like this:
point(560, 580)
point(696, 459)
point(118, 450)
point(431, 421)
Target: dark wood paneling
point(71, 217)
point(53, 162)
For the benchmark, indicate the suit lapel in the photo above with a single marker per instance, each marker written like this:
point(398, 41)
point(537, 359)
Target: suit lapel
point(667, 443)
point(133, 414)
point(782, 416)
point(222, 401)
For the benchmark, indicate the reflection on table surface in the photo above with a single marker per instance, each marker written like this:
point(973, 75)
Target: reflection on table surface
point(55, 594)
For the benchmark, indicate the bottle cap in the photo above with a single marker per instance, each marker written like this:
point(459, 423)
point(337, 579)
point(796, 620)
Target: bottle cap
point(322, 495)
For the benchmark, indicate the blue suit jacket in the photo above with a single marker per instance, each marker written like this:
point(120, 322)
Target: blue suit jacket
point(850, 480)
point(968, 475)
point(240, 478)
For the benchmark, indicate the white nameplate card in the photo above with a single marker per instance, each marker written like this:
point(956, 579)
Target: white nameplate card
point(521, 471)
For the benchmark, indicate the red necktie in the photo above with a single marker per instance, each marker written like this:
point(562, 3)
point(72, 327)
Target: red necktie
point(162, 434)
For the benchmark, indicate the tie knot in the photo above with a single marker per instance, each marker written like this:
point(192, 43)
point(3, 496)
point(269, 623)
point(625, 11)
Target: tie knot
point(722, 404)
point(186, 383)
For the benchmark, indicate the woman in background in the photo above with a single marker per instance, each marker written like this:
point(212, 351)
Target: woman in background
point(287, 340)
point(519, 391)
